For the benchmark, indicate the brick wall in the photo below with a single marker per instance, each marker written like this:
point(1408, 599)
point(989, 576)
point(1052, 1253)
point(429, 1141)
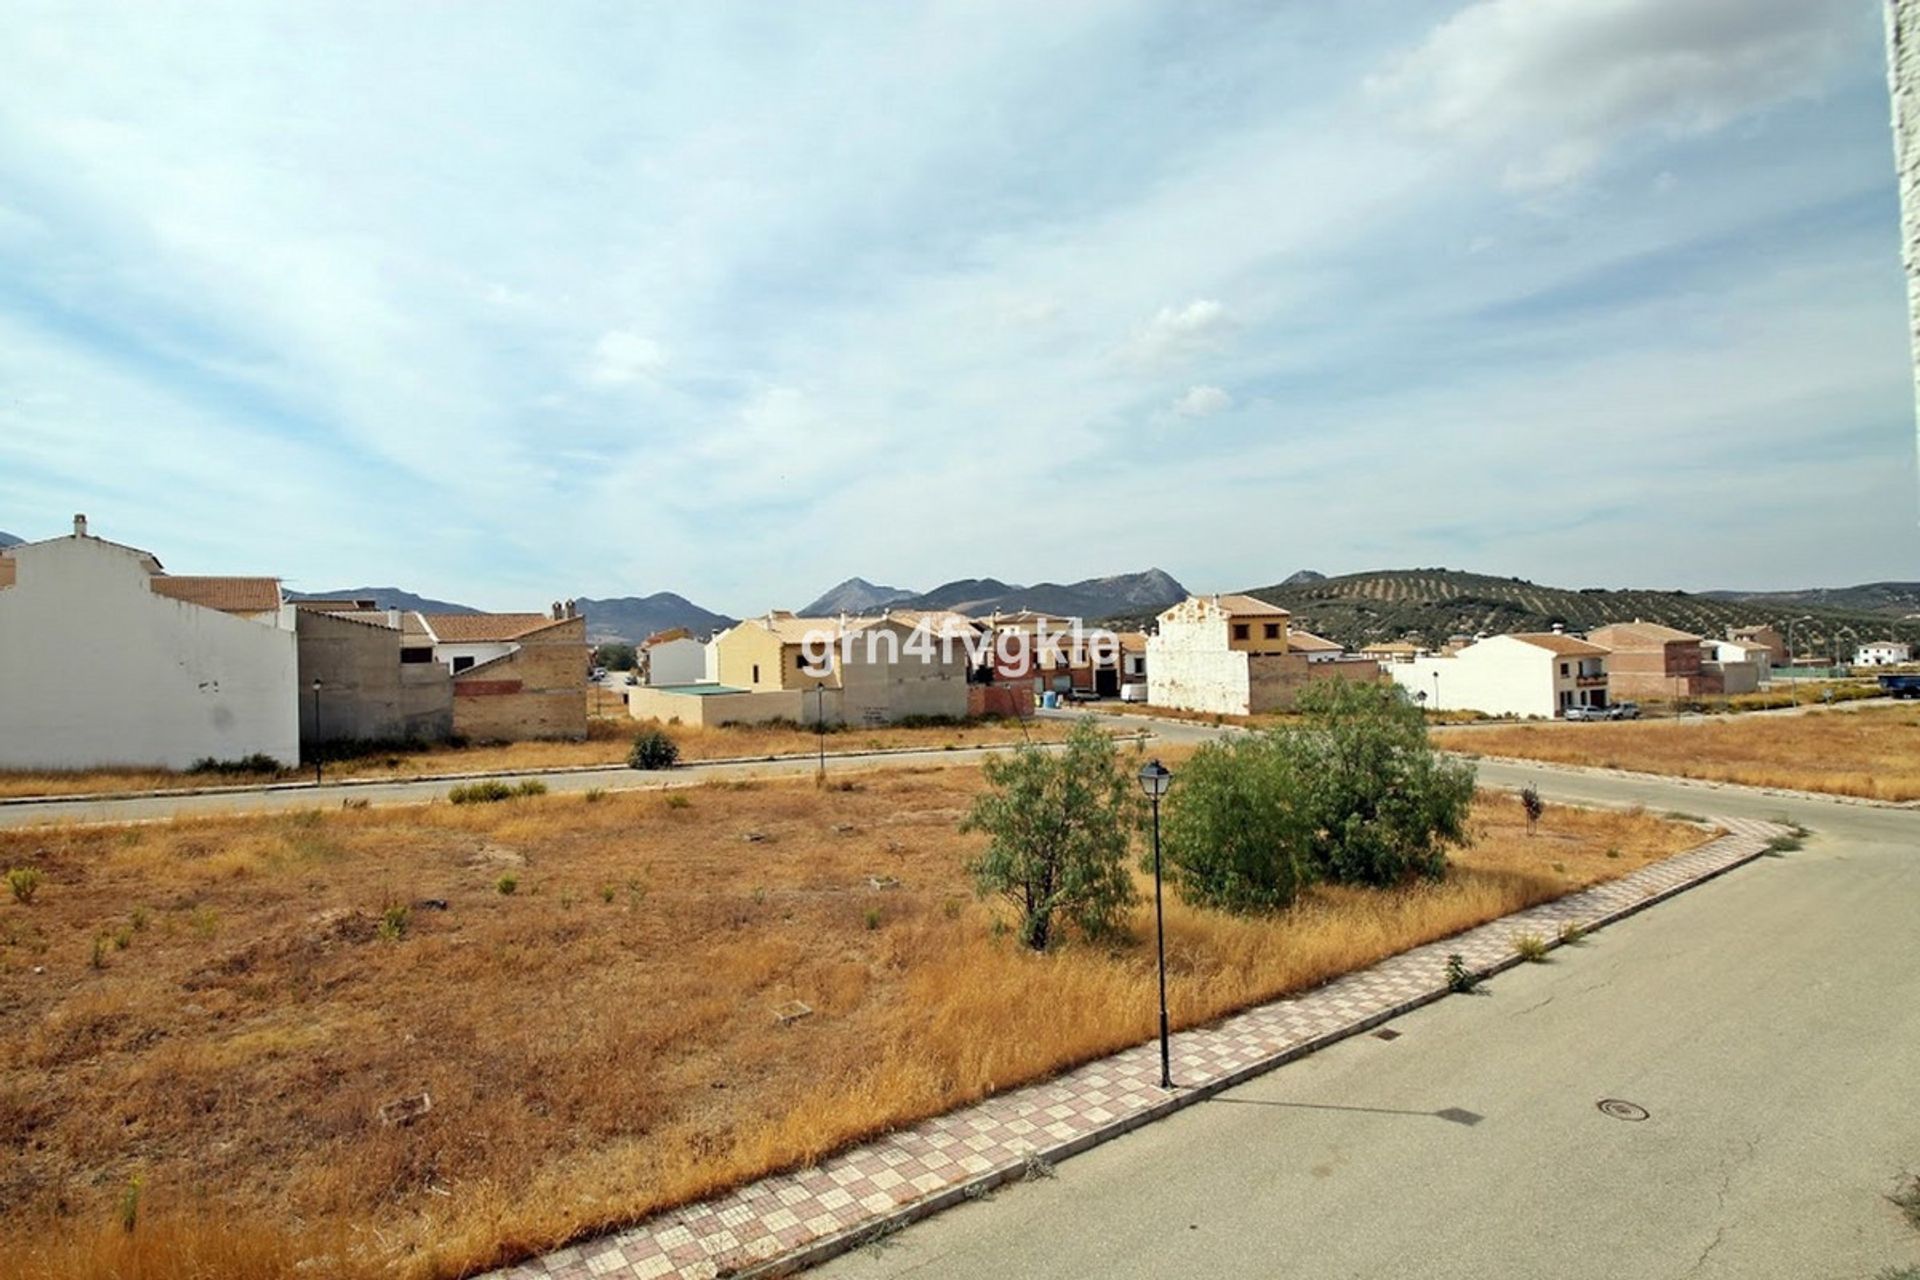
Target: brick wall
point(537, 691)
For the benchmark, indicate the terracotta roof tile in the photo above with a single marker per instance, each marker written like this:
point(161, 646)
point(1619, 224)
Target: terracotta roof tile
point(484, 628)
point(1620, 634)
point(1565, 646)
point(229, 595)
point(1307, 642)
point(1238, 605)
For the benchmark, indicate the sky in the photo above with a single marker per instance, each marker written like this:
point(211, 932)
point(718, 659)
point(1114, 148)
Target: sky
point(505, 303)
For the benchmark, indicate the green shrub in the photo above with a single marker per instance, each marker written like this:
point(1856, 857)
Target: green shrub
point(486, 791)
point(594, 795)
point(677, 800)
point(394, 921)
point(1460, 979)
point(1235, 827)
point(1382, 803)
point(491, 790)
point(1533, 805)
point(506, 885)
point(257, 763)
point(24, 882)
point(1531, 946)
point(1059, 825)
point(1572, 933)
point(653, 749)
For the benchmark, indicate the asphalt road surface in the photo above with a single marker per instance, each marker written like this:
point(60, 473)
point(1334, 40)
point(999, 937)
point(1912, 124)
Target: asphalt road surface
point(1767, 1022)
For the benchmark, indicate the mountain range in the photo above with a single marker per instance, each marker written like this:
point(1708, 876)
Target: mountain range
point(634, 618)
point(1126, 593)
point(386, 598)
point(8, 540)
point(1434, 604)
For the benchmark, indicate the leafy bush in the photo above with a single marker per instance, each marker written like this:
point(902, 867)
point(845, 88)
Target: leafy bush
point(490, 790)
point(394, 921)
point(257, 763)
point(1059, 825)
point(653, 749)
point(485, 791)
point(24, 882)
point(506, 885)
point(1235, 827)
point(1382, 803)
point(616, 656)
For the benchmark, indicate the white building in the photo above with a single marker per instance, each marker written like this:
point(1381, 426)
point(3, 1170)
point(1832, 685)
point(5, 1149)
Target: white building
point(1234, 655)
point(105, 659)
point(673, 658)
point(1533, 674)
point(1731, 652)
point(1883, 653)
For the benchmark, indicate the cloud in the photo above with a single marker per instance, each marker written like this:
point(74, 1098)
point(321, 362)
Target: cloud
point(1176, 333)
point(1202, 402)
point(1557, 83)
point(622, 356)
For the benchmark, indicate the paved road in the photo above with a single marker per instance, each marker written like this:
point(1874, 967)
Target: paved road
point(1769, 1021)
point(287, 797)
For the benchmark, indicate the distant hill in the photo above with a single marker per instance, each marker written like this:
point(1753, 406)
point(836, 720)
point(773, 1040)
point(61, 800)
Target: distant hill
point(1431, 605)
point(8, 540)
point(634, 618)
point(1302, 577)
point(1900, 599)
point(386, 598)
point(1090, 598)
point(855, 595)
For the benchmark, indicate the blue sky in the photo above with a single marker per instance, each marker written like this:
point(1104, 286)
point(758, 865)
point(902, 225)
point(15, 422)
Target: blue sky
point(507, 302)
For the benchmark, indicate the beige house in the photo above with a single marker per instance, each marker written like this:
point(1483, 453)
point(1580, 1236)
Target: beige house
point(1233, 655)
point(781, 666)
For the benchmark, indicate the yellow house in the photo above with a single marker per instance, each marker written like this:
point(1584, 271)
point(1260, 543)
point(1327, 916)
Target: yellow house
point(770, 653)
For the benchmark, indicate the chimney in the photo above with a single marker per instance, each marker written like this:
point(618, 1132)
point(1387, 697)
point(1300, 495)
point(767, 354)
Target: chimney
point(79, 525)
point(1559, 629)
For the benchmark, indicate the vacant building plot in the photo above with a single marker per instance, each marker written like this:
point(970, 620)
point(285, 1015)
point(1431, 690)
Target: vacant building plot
point(1869, 751)
point(416, 1042)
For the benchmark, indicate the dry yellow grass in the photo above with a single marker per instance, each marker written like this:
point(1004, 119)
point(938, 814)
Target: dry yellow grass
point(1870, 751)
point(606, 744)
point(213, 1008)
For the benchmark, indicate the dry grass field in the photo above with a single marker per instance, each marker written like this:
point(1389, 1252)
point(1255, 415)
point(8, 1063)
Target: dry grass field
point(1871, 751)
point(205, 1018)
point(607, 743)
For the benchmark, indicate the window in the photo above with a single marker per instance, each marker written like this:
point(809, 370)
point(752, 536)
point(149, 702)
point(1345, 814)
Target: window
point(416, 655)
point(1239, 631)
point(799, 662)
point(1273, 631)
point(461, 664)
point(1563, 668)
point(756, 673)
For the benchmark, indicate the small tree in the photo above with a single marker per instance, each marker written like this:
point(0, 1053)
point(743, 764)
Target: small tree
point(615, 656)
point(1059, 825)
point(1236, 828)
point(653, 749)
point(1382, 803)
point(1531, 802)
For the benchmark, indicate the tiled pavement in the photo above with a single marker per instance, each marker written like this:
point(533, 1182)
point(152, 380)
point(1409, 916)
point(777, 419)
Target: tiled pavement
point(795, 1219)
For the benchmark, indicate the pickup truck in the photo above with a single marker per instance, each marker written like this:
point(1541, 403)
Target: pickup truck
point(1900, 686)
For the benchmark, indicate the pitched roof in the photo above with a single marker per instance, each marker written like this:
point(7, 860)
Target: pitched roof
point(1564, 645)
point(938, 622)
point(228, 595)
point(1239, 605)
point(485, 628)
point(661, 637)
point(794, 629)
point(1393, 646)
point(1637, 632)
point(1307, 642)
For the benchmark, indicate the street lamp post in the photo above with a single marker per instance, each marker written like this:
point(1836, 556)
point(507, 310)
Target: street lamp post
point(316, 731)
point(820, 721)
point(1436, 691)
point(1155, 778)
point(1793, 682)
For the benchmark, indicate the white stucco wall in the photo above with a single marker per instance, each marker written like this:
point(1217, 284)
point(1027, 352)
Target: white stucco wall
point(96, 670)
point(1193, 679)
point(479, 651)
point(682, 661)
point(1500, 676)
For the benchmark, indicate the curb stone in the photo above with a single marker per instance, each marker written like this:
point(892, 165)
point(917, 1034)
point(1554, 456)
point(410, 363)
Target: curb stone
point(790, 1221)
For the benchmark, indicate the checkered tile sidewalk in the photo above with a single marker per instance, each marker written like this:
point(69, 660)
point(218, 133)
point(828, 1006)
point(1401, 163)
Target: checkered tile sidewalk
point(805, 1216)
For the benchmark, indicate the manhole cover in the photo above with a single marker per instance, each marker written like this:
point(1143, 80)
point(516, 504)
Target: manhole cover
point(1386, 1033)
point(1620, 1109)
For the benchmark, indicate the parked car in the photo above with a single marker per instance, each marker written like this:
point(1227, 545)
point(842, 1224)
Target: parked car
point(1584, 713)
point(1900, 686)
point(1624, 711)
